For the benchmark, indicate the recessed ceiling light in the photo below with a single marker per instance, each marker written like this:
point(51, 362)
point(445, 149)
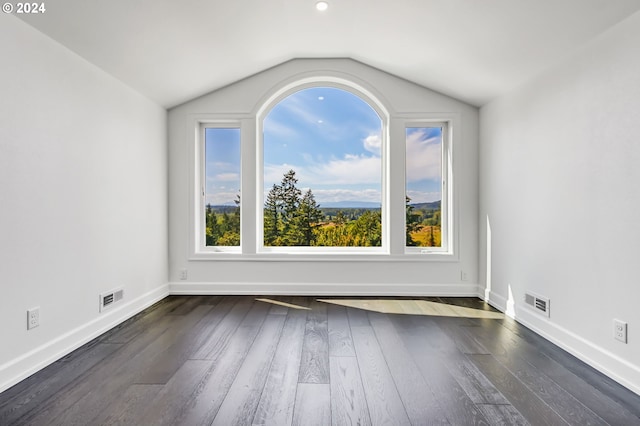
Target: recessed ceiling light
point(322, 5)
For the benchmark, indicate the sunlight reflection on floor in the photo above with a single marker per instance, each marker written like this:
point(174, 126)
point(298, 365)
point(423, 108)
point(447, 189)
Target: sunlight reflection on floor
point(288, 305)
point(414, 307)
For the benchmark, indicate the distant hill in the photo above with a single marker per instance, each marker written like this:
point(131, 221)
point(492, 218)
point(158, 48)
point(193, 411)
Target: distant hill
point(222, 208)
point(351, 204)
point(434, 205)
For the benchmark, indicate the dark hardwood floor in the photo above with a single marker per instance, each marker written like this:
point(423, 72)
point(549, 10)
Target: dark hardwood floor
point(232, 360)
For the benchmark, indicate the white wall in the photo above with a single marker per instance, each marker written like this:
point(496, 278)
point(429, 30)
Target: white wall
point(560, 189)
point(83, 181)
point(323, 277)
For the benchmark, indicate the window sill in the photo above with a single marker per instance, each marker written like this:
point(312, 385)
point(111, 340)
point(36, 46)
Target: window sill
point(325, 257)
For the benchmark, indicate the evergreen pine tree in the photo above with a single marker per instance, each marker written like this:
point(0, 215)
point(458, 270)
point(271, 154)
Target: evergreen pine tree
point(308, 216)
point(212, 231)
point(271, 216)
point(289, 203)
point(411, 222)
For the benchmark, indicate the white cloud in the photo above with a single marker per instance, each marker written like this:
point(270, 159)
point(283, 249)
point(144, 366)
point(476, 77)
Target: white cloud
point(423, 197)
point(373, 143)
point(227, 177)
point(350, 170)
point(334, 195)
point(341, 194)
point(222, 167)
point(273, 172)
point(221, 197)
point(423, 157)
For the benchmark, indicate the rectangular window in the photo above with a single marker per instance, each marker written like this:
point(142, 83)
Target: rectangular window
point(424, 188)
point(221, 190)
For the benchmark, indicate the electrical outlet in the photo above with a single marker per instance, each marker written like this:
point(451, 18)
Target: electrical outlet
point(464, 276)
point(183, 274)
point(620, 330)
point(33, 317)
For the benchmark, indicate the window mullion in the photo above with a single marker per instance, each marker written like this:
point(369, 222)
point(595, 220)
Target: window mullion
point(396, 176)
point(249, 198)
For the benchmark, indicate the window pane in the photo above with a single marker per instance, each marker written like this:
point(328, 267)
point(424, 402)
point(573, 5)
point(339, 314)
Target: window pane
point(222, 186)
point(424, 186)
point(322, 171)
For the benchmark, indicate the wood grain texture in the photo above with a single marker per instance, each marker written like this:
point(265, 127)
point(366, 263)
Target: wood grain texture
point(513, 357)
point(229, 358)
point(24, 401)
point(385, 406)
point(314, 364)
point(340, 341)
point(463, 337)
point(124, 332)
point(176, 394)
point(163, 366)
point(416, 394)
point(93, 403)
point(479, 389)
point(590, 387)
point(505, 415)
point(189, 305)
point(232, 360)
point(312, 405)
point(348, 402)
point(216, 340)
point(459, 408)
point(239, 406)
point(81, 401)
point(275, 406)
point(519, 395)
point(130, 406)
point(358, 317)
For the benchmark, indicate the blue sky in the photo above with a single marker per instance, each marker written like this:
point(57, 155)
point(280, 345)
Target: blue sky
point(424, 164)
point(222, 157)
point(332, 139)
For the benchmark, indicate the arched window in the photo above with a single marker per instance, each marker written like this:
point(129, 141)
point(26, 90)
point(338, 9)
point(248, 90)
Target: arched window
point(323, 181)
point(325, 169)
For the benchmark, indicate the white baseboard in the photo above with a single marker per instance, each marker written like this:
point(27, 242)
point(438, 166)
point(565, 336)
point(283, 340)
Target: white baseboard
point(24, 366)
point(324, 289)
point(494, 299)
point(608, 363)
point(602, 360)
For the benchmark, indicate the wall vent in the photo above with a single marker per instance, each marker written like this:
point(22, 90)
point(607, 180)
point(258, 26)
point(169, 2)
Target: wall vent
point(537, 303)
point(110, 298)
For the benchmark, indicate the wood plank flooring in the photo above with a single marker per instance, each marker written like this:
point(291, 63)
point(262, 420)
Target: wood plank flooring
point(237, 360)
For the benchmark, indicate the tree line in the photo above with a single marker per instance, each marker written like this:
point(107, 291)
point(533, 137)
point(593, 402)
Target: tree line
point(293, 218)
point(223, 229)
point(422, 226)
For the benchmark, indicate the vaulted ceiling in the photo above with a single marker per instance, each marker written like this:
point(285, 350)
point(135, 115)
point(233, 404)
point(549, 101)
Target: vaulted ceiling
point(473, 50)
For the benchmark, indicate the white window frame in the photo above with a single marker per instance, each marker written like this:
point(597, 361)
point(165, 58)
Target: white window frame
point(198, 240)
point(377, 106)
point(446, 177)
point(393, 157)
